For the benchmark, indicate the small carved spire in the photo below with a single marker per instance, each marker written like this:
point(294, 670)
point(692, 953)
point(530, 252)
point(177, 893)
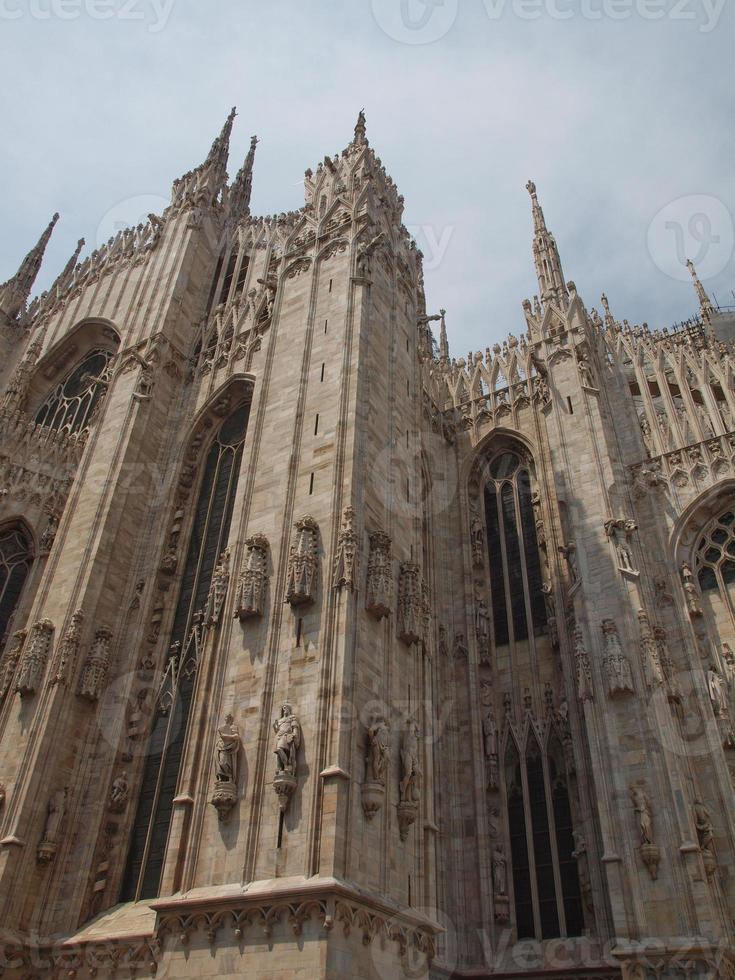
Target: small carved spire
point(443, 340)
point(15, 292)
point(549, 272)
point(66, 273)
point(242, 186)
point(361, 128)
point(706, 306)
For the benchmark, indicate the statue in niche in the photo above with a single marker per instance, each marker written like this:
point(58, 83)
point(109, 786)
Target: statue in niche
point(642, 807)
point(119, 794)
point(477, 537)
point(569, 553)
point(226, 751)
point(490, 737)
point(378, 750)
point(288, 740)
point(717, 693)
point(500, 870)
point(703, 823)
point(691, 590)
point(410, 788)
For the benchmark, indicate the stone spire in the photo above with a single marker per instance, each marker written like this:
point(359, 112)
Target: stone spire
point(549, 272)
point(15, 292)
point(706, 307)
point(202, 187)
point(220, 151)
point(242, 185)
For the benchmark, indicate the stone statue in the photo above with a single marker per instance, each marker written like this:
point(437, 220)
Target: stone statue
point(226, 751)
point(2, 795)
point(490, 733)
point(477, 536)
point(500, 871)
point(410, 788)
point(717, 693)
point(55, 811)
point(642, 807)
point(691, 590)
point(378, 751)
point(569, 553)
point(288, 740)
point(703, 823)
point(218, 589)
point(119, 794)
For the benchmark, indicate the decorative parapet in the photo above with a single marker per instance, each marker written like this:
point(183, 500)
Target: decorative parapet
point(127, 249)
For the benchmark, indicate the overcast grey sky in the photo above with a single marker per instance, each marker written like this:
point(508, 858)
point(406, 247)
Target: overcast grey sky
point(621, 110)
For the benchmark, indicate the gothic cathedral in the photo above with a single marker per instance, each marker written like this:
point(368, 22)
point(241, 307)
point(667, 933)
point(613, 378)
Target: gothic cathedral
point(326, 654)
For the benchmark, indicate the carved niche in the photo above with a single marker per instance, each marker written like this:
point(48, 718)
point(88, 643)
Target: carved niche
point(250, 594)
point(65, 657)
point(411, 603)
point(303, 563)
point(377, 763)
point(10, 660)
point(218, 590)
point(288, 741)
point(379, 592)
point(55, 811)
point(34, 659)
point(617, 665)
point(96, 666)
point(585, 691)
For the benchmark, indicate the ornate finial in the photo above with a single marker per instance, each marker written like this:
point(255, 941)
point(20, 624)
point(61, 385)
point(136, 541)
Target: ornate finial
point(361, 128)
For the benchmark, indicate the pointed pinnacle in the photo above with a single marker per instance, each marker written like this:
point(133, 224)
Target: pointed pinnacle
point(221, 145)
point(31, 264)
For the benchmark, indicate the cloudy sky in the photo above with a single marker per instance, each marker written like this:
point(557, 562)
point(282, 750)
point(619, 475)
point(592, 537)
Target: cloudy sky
point(620, 110)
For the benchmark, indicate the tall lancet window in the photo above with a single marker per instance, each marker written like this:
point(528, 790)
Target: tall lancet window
point(71, 405)
point(546, 888)
point(515, 567)
point(16, 557)
point(208, 540)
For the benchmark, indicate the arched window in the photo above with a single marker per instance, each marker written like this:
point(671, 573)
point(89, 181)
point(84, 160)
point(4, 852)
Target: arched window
point(715, 567)
point(546, 890)
point(208, 540)
point(16, 557)
point(70, 406)
point(515, 566)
